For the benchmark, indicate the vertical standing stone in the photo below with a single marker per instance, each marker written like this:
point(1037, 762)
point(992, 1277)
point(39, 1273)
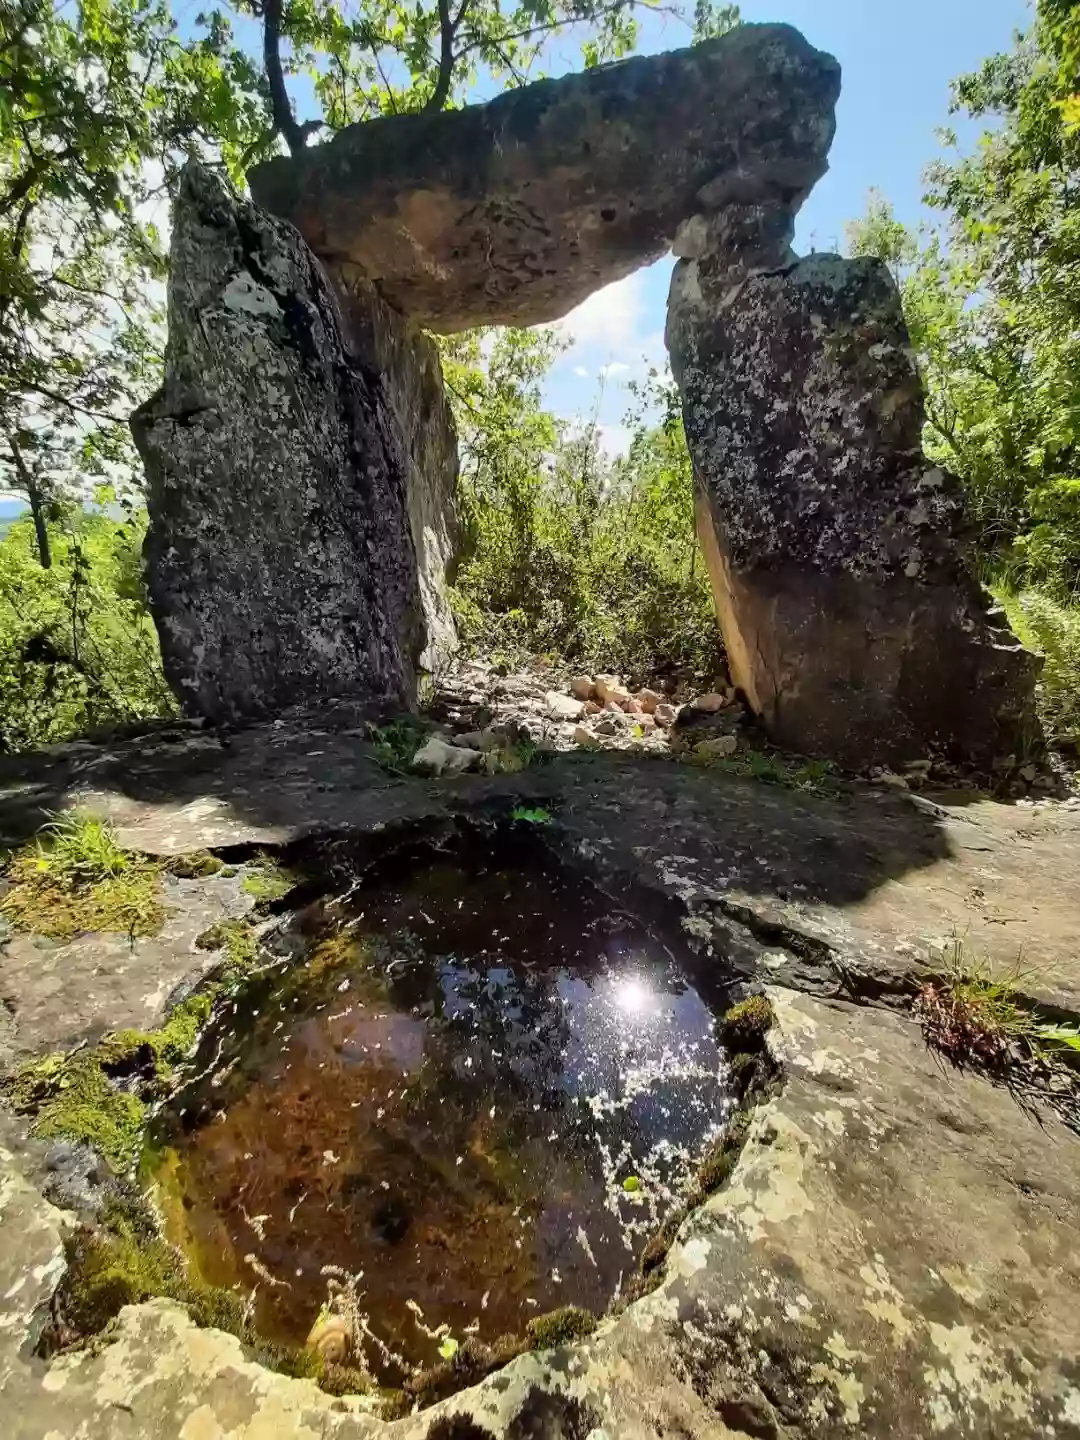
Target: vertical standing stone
point(280, 554)
point(407, 362)
point(834, 547)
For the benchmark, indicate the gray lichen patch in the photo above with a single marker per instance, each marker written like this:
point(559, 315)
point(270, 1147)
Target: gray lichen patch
point(282, 557)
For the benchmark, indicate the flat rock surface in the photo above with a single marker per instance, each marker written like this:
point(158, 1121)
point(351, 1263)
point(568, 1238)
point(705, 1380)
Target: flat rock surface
point(57, 994)
point(868, 882)
point(896, 1251)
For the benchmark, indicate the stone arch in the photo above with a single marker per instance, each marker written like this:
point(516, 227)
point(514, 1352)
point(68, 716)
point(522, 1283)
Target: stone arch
point(851, 622)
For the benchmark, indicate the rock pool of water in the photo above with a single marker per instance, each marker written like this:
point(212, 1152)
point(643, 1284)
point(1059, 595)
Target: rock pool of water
point(444, 1101)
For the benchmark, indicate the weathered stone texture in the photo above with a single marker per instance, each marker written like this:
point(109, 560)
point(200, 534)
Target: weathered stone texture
point(515, 211)
point(407, 362)
point(834, 547)
point(281, 565)
point(894, 1256)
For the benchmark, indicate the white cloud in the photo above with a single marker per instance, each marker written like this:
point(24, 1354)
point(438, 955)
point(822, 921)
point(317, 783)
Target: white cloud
point(614, 440)
point(580, 370)
point(614, 367)
point(610, 317)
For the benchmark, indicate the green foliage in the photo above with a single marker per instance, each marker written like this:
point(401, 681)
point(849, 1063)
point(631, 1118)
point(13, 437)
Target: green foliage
point(1053, 630)
point(813, 776)
point(99, 105)
point(76, 878)
point(570, 553)
point(978, 1019)
point(531, 815)
point(77, 647)
point(1067, 1036)
point(396, 743)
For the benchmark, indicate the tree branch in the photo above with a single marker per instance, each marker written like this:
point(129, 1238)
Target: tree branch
point(34, 172)
point(447, 31)
point(73, 405)
point(280, 104)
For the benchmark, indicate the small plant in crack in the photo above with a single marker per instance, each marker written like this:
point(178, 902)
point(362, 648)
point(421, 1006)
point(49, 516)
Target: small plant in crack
point(395, 744)
point(981, 1021)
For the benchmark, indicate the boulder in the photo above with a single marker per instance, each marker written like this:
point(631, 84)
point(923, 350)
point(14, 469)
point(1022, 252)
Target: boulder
point(649, 700)
point(515, 211)
point(436, 757)
point(708, 704)
point(835, 548)
point(281, 562)
point(581, 687)
point(563, 707)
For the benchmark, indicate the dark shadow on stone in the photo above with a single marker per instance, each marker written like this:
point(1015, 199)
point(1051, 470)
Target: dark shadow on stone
point(458, 1427)
point(545, 1415)
point(184, 787)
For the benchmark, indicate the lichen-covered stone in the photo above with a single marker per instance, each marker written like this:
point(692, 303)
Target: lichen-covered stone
point(835, 548)
point(515, 211)
point(407, 362)
point(280, 554)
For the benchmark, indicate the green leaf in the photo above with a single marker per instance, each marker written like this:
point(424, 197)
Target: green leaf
point(532, 816)
point(448, 1348)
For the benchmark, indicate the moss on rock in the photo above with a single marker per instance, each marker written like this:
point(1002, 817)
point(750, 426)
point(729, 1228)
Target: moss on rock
point(71, 1097)
point(235, 937)
point(560, 1327)
point(43, 904)
point(196, 866)
point(75, 1097)
point(745, 1026)
point(267, 880)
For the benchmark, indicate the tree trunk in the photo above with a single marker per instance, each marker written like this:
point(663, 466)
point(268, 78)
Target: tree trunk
point(37, 504)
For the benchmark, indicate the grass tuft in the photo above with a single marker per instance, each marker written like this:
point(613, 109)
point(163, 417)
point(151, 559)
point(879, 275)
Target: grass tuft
point(980, 1021)
point(76, 878)
point(395, 744)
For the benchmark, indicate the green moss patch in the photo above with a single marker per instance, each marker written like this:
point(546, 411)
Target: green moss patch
point(75, 1096)
point(195, 866)
point(75, 877)
point(267, 881)
point(72, 1097)
point(235, 937)
point(44, 905)
point(745, 1026)
point(560, 1327)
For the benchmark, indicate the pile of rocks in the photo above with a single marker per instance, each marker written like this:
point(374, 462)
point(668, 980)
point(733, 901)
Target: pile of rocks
point(486, 719)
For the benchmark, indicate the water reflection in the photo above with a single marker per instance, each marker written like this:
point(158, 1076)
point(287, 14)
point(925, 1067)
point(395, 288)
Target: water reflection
point(450, 1110)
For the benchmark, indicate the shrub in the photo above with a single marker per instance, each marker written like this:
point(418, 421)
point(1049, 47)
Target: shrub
point(570, 553)
point(78, 649)
point(1052, 628)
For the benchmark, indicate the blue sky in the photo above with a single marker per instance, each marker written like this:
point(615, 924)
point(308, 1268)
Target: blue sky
point(898, 57)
